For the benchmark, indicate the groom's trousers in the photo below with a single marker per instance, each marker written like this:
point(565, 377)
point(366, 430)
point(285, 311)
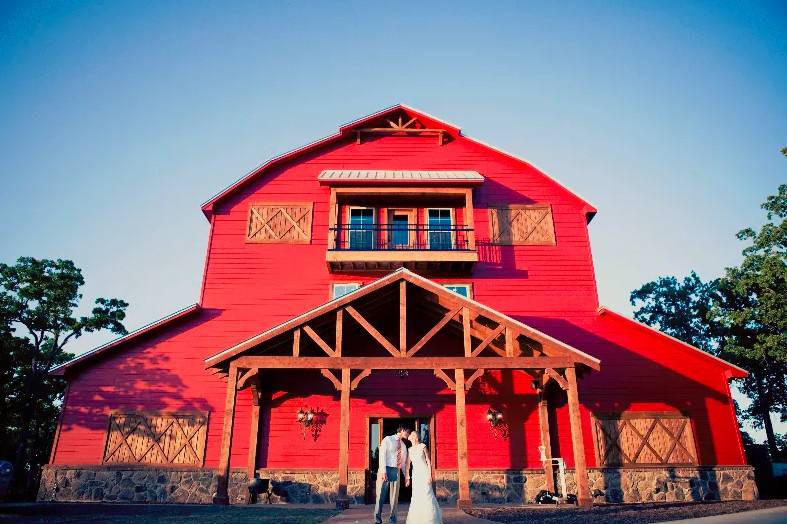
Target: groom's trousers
point(387, 487)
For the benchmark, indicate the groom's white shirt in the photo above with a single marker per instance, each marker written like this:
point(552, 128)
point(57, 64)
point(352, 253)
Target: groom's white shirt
point(388, 453)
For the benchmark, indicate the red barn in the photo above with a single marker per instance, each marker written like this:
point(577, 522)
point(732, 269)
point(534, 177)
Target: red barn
point(397, 272)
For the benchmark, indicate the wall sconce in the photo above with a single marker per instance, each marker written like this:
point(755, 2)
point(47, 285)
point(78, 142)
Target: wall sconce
point(494, 417)
point(305, 417)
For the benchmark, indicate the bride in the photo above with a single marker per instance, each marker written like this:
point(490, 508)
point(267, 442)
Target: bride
point(423, 504)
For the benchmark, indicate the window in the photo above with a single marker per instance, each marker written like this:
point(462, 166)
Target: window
point(439, 222)
point(361, 230)
point(341, 289)
point(521, 225)
point(634, 438)
point(461, 289)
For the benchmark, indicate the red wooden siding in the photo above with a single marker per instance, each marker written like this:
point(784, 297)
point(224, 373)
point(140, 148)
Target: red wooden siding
point(250, 287)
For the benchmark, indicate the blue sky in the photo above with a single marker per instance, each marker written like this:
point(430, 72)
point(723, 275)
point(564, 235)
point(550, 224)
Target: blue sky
point(117, 119)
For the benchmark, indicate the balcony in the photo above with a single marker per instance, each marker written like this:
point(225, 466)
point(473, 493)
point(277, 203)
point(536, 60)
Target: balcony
point(380, 247)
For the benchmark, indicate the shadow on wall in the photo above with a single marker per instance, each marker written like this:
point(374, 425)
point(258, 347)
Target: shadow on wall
point(138, 379)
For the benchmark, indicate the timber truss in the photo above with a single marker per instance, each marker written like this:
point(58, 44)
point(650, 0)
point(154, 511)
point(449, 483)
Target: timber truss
point(402, 322)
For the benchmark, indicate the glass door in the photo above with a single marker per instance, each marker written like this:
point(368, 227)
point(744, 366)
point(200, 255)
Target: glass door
point(361, 228)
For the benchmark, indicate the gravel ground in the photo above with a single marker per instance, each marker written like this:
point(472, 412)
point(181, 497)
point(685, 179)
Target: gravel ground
point(159, 514)
point(619, 513)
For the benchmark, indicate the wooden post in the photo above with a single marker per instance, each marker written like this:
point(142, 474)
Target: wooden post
point(342, 501)
point(403, 318)
point(469, 219)
point(543, 422)
point(461, 441)
point(339, 330)
point(580, 468)
point(468, 343)
point(255, 427)
point(221, 496)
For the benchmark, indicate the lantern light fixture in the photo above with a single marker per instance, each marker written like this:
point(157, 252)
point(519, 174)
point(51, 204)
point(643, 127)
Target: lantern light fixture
point(494, 417)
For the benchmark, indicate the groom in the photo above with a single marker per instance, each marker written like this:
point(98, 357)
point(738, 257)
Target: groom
point(393, 460)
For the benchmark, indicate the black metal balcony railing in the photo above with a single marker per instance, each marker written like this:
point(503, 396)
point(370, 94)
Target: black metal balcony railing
point(393, 237)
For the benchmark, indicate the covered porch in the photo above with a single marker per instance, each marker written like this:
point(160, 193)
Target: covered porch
point(403, 322)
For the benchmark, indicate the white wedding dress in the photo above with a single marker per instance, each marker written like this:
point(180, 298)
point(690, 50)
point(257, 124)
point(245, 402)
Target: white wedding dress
point(423, 504)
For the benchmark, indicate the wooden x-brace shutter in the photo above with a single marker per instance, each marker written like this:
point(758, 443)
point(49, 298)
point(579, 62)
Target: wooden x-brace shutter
point(140, 438)
point(647, 438)
point(521, 225)
point(280, 223)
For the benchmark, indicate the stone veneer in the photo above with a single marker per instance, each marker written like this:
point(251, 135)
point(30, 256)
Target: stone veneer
point(197, 485)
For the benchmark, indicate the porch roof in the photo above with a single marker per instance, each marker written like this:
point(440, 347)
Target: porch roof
point(477, 321)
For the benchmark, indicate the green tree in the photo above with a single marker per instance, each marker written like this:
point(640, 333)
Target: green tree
point(38, 299)
point(752, 308)
point(741, 317)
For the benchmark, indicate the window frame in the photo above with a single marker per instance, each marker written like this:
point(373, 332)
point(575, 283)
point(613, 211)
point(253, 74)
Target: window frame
point(467, 285)
point(332, 288)
point(373, 230)
point(429, 229)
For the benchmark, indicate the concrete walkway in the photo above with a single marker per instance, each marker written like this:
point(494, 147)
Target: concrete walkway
point(365, 515)
point(760, 516)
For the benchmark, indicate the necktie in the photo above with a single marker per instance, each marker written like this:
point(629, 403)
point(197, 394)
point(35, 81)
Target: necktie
point(399, 455)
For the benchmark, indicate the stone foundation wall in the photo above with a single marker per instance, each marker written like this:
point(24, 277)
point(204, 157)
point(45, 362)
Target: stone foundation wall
point(197, 485)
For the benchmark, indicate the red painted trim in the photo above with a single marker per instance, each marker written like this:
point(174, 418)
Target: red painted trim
point(62, 368)
point(734, 415)
point(207, 261)
point(731, 370)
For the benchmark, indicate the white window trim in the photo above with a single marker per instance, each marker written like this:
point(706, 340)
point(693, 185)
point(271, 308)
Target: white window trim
point(332, 290)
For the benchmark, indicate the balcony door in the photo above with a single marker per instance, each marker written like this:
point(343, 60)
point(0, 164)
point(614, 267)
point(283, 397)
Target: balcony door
point(440, 222)
point(361, 228)
point(401, 229)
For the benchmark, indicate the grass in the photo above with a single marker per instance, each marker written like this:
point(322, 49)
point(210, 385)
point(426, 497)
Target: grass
point(160, 514)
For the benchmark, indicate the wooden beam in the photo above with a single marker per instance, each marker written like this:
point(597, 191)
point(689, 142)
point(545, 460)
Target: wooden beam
point(373, 332)
point(339, 321)
point(509, 341)
point(286, 362)
point(246, 377)
point(476, 374)
point(543, 423)
point(296, 343)
point(550, 373)
point(488, 340)
point(254, 428)
point(222, 496)
point(344, 440)
point(327, 373)
point(403, 318)
point(468, 342)
point(332, 214)
point(464, 500)
point(358, 378)
point(577, 441)
point(439, 373)
point(432, 332)
point(469, 219)
point(318, 340)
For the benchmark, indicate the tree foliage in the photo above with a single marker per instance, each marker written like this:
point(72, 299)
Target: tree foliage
point(38, 299)
point(741, 317)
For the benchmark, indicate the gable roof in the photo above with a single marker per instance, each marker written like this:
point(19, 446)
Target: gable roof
point(112, 344)
point(347, 129)
point(731, 370)
point(223, 357)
